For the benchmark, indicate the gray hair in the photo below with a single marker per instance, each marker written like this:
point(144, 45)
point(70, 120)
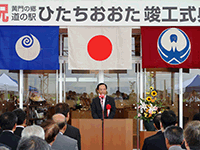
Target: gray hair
point(33, 130)
point(4, 148)
point(192, 134)
point(174, 134)
point(33, 143)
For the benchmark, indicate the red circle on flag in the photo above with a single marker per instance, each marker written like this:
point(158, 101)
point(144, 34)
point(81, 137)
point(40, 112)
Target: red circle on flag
point(99, 48)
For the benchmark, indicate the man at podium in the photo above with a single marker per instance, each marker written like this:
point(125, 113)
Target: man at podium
point(103, 103)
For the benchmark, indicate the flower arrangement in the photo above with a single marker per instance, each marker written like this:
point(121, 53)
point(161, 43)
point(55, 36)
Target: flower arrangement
point(150, 106)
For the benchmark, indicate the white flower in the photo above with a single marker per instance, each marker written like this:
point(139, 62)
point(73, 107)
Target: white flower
point(143, 107)
point(152, 109)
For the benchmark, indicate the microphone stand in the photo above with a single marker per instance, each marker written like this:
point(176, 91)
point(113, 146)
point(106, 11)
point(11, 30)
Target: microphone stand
point(102, 127)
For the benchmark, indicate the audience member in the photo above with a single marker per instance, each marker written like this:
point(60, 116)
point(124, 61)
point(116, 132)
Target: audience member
point(63, 141)
point(33, 130)
point(71, 131)
point(51, 130)
point(168, 118)
point(156, 121)
point(8, 122)
point(118, 96)
point(21, 121)
point(33, 143)
point(4, 147)
point(192, 135)
point(173, 137)
point(196, 117)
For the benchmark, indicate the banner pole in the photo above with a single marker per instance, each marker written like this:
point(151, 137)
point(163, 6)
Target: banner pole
point(21, 84)
point(181, 97)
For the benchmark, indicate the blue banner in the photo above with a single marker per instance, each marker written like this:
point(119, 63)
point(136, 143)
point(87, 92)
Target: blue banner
point(29, 47)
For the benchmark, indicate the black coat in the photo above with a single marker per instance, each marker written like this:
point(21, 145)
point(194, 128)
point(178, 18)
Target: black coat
point(156, 142)
point(10, 139)
point(74, 133)
point(97, 109)
point(18, 131)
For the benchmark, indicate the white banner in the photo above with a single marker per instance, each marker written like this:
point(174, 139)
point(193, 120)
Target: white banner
point(99, 48)
point(100, 13)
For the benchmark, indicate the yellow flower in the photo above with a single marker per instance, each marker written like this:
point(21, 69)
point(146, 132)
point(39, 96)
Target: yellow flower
point(153, 100)
point(151, 88)
point(153, 112)
point(145, 114)
point(153, 93)
point(148, 98)
point(147, 93)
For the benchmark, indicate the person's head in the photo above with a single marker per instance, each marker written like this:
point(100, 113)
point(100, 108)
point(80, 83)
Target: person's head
point(61, 121)
point(192, 135)
point(4, 148)
point(8, 121)
point(156, 121)
point(62, 108)
point(21, 116)
point(51, 130)
point(173, 136)
point(168, 118)
point(33, 130)
point(102, 88)
point(33, 143)
point(196, 117)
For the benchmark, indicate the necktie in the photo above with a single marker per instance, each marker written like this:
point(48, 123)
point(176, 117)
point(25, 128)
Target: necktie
point(102, 103)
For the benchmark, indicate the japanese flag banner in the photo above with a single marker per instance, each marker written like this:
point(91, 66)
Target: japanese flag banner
point(99, 48)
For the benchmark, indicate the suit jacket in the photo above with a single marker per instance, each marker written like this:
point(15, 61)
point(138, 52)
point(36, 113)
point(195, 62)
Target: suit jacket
point(146, 141)
point(156, 142)
point(74, 133)
point(97, 109)
point(18, 131)
point(10, 139)
point(175, 148)
point(64, 142)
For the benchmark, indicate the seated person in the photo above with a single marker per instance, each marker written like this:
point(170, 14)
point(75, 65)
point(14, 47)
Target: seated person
point(21, 121)
point(63, 141)
point(157, 142)
point(8, 122)
point(51, 130)
point(33, 143)
point(33, 130)
point(192, 135)
point(156, 122)
point(118, 96)
point(173, 137)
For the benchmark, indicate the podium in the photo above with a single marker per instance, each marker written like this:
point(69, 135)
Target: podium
point(118, 133)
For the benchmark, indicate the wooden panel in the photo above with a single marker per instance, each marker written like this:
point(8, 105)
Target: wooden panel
point(145, 134)
point(118, 134)
point(81, 114)
point(91, 133)
point(132, 114)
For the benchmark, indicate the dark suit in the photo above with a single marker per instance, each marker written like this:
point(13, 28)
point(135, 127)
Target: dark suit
point(157, 142)
point(97, 109)
point(18, 131)
point(74, 133)
point(10, 139)
point(146, 141)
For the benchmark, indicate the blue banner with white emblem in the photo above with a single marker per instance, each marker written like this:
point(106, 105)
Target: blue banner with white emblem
point(29, 47)
point(170, 47)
